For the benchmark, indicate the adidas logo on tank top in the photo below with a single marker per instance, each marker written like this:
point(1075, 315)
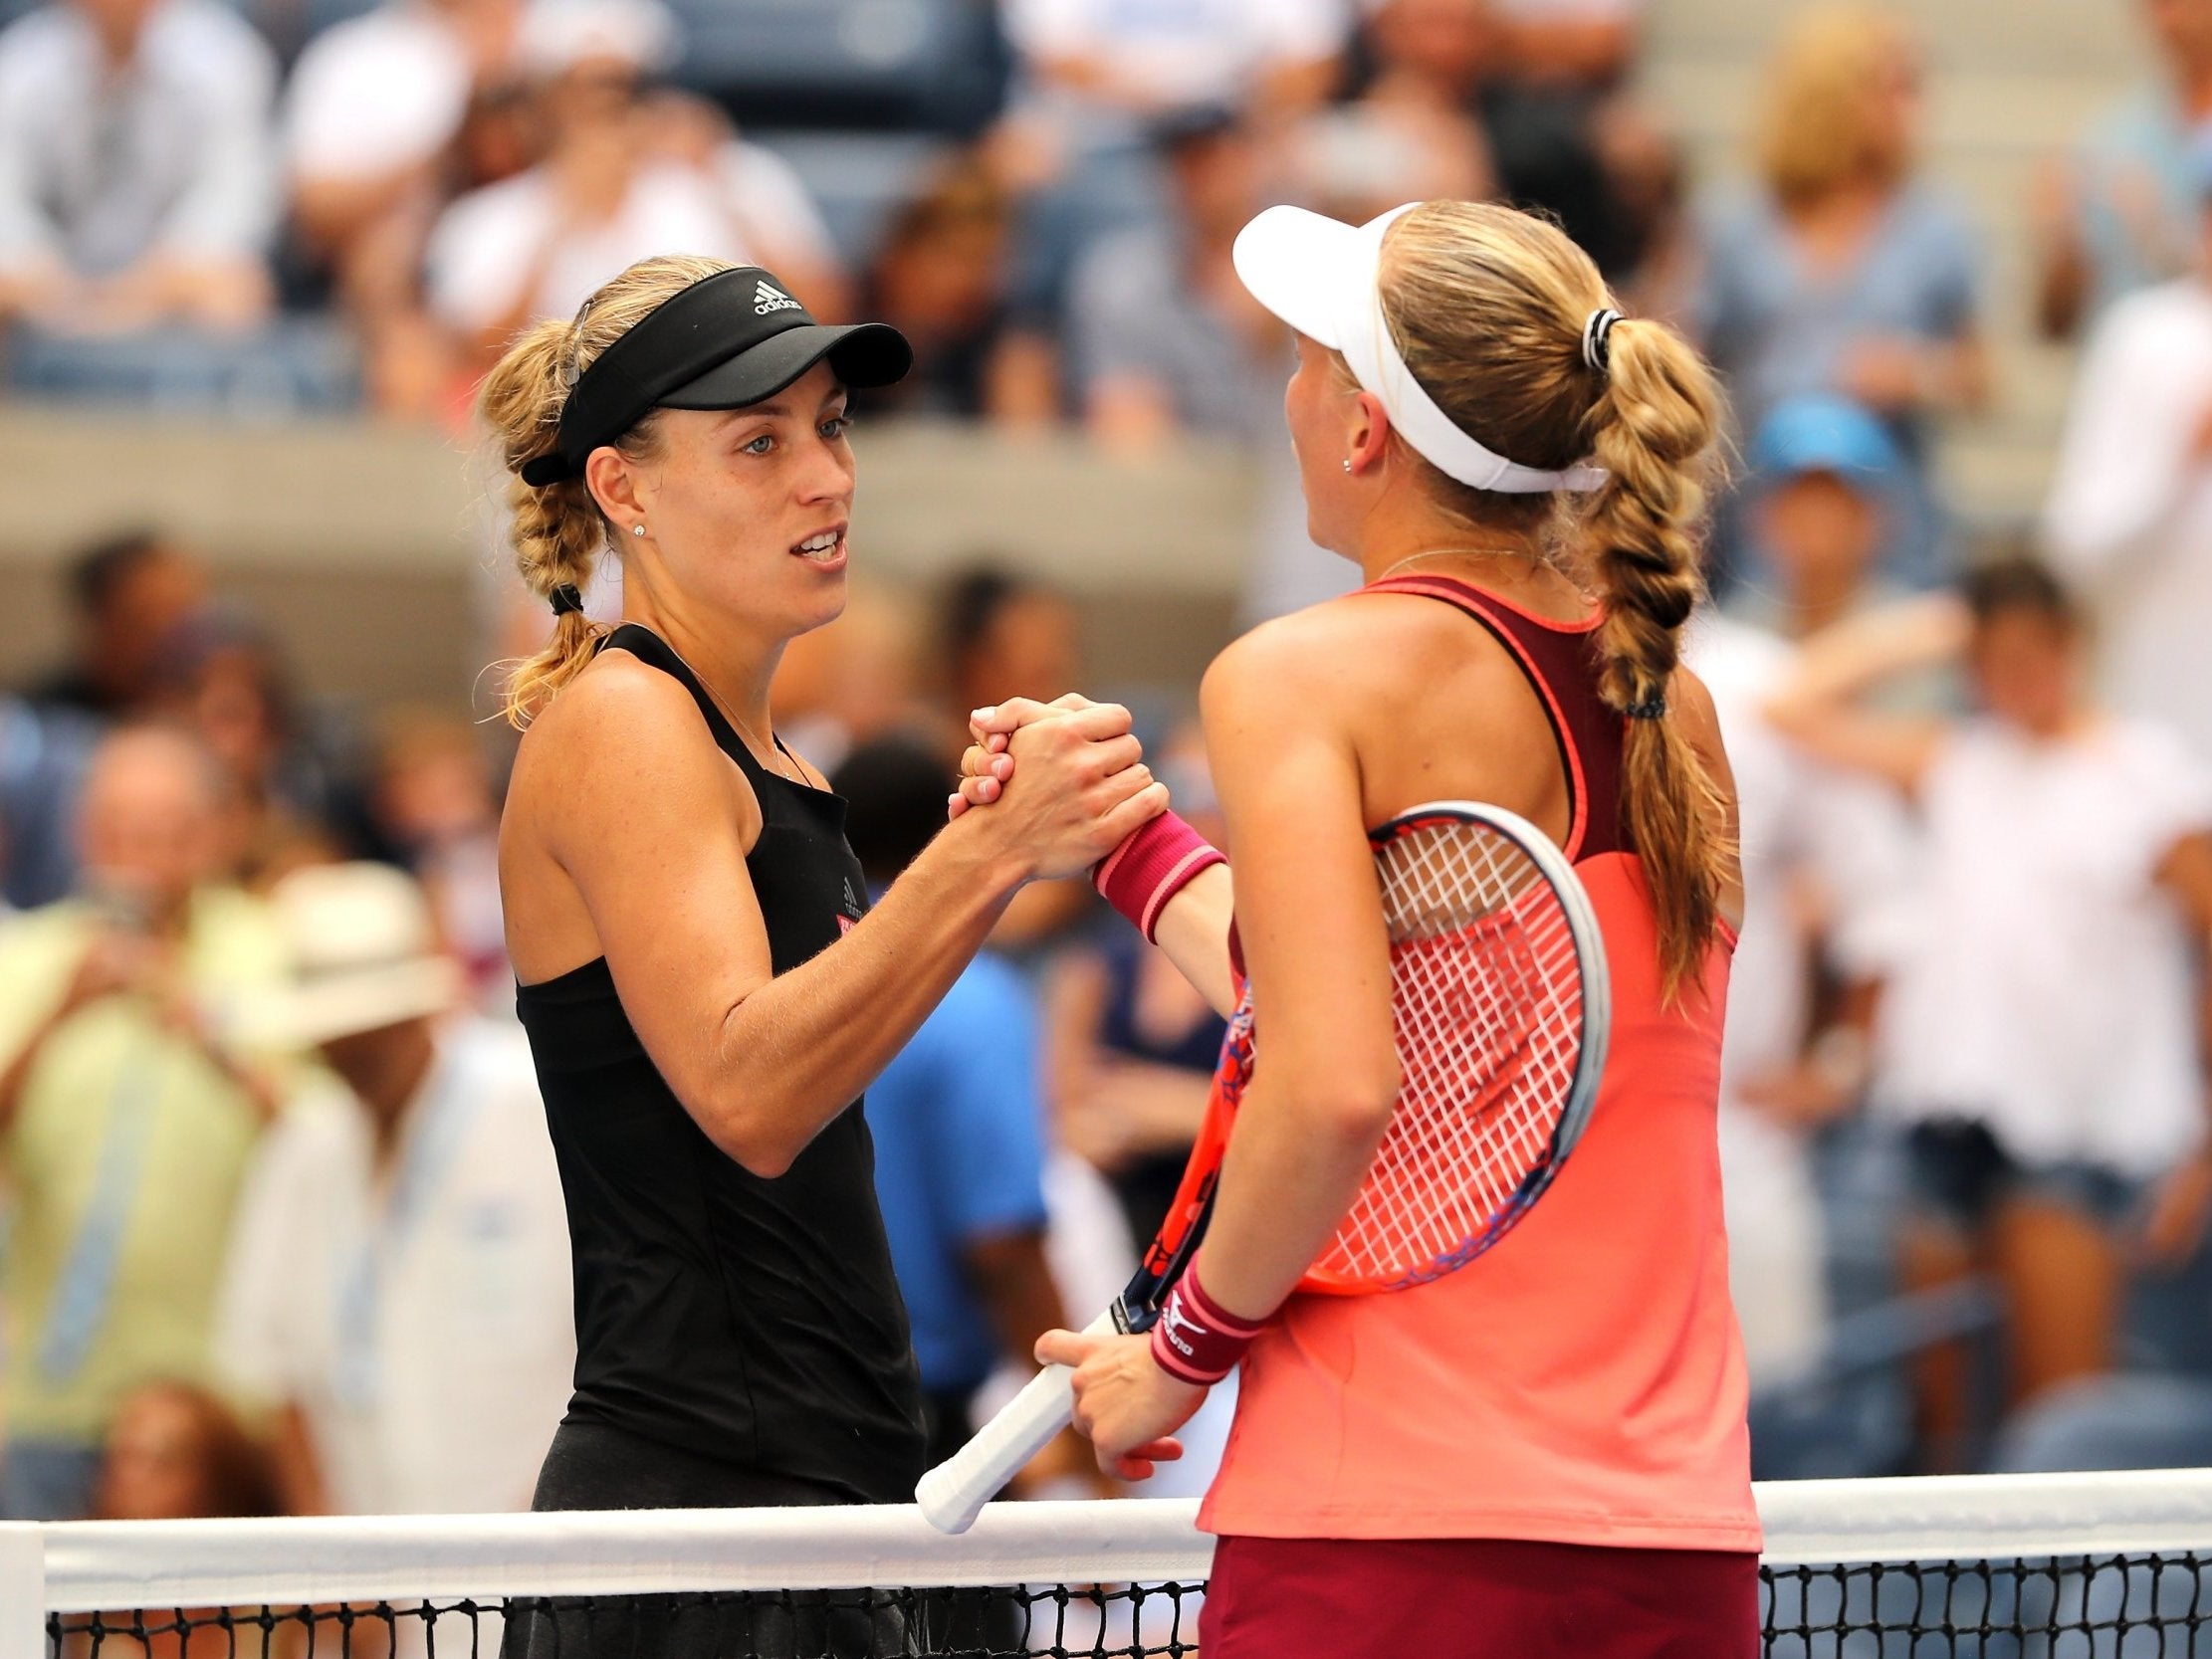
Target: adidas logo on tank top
point(769, 297)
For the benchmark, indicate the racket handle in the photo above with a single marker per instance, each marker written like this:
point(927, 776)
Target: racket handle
point(954, 1493)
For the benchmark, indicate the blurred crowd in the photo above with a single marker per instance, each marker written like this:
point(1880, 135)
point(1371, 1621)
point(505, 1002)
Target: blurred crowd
point(284, 1231)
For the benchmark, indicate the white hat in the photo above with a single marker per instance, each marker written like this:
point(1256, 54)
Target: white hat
point(1320, 276)
point(558, 35)
point(364, 955)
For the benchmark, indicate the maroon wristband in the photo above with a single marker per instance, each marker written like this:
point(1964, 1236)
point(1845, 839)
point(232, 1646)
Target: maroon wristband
point(1151, 865)
point(1197, 1340)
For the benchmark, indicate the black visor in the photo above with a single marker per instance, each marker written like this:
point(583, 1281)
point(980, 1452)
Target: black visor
point(728, 340)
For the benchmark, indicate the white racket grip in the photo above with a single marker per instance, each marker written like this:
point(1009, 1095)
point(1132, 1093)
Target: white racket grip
point(954, 1493)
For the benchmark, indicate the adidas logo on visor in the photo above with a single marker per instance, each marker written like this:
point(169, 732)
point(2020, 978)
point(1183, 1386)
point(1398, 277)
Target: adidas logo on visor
point(769, 297)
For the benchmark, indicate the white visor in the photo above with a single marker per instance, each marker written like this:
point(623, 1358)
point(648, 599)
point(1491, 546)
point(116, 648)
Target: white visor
point(1320, 276)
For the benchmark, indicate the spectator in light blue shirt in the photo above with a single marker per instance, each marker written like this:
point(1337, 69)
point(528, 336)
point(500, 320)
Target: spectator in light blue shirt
point(1842, 271)
point(2122, 211)
point(958, 1122)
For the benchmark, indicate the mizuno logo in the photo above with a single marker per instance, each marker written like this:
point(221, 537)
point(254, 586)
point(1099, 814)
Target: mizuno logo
point(1171, 1317)
point(769, 297)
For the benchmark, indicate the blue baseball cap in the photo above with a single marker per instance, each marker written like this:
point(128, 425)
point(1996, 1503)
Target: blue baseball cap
point(1823, 434)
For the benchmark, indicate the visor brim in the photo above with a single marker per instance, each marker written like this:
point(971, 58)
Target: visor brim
point(861, 354)
point(1300, 265)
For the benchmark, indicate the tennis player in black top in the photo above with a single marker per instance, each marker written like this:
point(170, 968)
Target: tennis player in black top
point(704, 994)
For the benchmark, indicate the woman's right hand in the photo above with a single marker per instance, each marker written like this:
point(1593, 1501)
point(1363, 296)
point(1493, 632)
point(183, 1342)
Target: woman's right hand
point(1082, 786)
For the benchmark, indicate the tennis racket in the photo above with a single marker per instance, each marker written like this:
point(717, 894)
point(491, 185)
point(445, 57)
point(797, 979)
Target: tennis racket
point(1500, 1009)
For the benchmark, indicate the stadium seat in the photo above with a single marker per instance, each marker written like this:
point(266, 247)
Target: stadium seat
point(934, 65)
point(857, 179)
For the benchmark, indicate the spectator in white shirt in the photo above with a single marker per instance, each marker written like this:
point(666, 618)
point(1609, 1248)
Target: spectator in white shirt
point(374, 102)
point(2039, 1044)
point(776, 218)
point(398, 1288)
point(2129, 519)
point(1150, 60)
point(1827, 864)
point(540, 244)
point(138, 178)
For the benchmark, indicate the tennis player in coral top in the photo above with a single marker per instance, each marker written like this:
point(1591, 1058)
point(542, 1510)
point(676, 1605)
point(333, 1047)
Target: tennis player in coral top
point(1544, 1454)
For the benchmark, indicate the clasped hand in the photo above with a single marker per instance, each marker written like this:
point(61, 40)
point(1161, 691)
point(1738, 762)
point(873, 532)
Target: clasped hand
point(988, 765)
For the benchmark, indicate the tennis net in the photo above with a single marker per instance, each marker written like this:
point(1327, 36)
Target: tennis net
point(2069, 1566)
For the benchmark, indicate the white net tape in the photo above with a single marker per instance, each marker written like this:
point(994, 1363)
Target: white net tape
point(1963, 1568)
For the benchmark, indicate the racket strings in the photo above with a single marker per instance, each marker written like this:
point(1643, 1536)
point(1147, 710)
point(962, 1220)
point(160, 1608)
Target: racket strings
point(1486, 1010)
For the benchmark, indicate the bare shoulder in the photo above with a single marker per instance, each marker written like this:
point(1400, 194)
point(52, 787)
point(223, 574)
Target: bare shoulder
point(622, 740)
point(1366, 642)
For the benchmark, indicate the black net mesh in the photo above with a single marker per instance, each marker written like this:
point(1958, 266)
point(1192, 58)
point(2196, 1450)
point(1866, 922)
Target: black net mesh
point(2082, 1607)
point(2075, 1607)
point(1062, 1621)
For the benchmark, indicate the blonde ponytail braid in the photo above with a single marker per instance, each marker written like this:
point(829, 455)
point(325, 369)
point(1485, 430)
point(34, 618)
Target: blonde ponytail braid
point(1492, 310)
point(1653, 432)
point(558, 530)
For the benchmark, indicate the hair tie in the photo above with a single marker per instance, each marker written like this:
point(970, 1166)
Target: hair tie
point(1651, 708)
point(1596, 334)
point(565, 599)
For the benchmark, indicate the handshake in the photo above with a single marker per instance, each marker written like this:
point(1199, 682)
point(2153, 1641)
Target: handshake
point(1057, 785)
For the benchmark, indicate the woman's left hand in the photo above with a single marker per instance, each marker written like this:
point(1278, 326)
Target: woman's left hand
point(1123, 1401)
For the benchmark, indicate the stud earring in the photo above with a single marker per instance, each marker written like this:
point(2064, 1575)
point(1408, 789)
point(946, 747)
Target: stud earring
point(1347, 464)
point(637, 529)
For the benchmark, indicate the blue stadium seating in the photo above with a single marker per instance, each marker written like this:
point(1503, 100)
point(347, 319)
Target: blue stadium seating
point(934, 65)
point(927, 64)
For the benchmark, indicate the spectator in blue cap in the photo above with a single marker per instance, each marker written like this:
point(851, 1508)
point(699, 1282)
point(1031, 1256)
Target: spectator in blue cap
point(1825, 474)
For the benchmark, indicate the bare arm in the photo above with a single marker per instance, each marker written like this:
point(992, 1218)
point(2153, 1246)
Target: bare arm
point(1818, 708)
point(2062, 261)
point(1193, 931)
point(1192, 928)
point(1129, 413)
point(299, 1472)
point(1315, 948)
point(1318, 955)
point(647, 826)
point(1009, 1273)
point(1326, 1081)
point(332, 210)
point(1900, 374)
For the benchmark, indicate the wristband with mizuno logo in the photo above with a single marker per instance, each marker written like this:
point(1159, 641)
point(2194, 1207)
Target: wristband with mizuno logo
point(1196, 1339)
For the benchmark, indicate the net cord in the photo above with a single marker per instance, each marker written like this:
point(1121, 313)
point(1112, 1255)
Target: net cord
point(90, 1565)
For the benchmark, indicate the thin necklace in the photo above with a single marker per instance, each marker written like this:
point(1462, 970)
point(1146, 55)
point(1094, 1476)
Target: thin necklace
point(773, 758)
point(1440, 553)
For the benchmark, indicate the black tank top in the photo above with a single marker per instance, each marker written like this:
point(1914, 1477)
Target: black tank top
point(750, 1322)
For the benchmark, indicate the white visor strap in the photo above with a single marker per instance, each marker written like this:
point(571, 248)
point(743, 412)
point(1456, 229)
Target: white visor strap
point(1364, 337)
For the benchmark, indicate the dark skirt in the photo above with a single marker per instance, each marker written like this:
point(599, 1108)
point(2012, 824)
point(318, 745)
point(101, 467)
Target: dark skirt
point(594, 1467)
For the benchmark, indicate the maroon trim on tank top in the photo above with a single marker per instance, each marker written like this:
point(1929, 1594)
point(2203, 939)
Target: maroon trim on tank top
point(1561, 664)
